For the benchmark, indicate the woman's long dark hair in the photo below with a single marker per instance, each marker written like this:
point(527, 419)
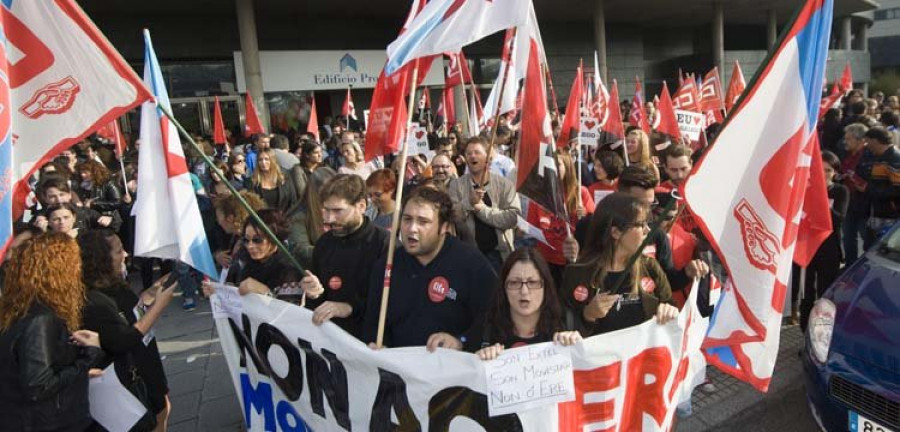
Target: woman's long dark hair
point(96, 258)
point(618, 210)
point(499, 315)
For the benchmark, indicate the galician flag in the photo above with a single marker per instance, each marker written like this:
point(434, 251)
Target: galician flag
point(168, 223)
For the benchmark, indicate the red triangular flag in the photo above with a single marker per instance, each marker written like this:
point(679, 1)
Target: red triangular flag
point(252, 125)
point(667, 123)
point(348, 110)
point(711, 100)
point(736, 86)
point(846, 82)
point(218, 125)
point(637, 116)
point(572, 122)
point(457, 70)
point(447, 110)
point(687, 98)
point(312, 126)
point(613, 124)
point(815, 221)
point(111, 133)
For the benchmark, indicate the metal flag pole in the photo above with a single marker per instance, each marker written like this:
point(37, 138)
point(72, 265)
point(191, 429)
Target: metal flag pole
point(395, 220)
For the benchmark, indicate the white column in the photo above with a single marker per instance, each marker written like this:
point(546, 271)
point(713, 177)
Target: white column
point(846, 33)
point(250, 54)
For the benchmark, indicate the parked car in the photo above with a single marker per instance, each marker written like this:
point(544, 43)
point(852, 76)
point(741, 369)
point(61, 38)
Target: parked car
point(852, 351)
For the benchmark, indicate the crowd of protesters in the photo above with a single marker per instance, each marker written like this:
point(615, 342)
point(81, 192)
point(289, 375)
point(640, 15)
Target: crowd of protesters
point(464, 275)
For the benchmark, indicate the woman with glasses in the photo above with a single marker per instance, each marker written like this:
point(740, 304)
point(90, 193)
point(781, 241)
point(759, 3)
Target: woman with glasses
point(381, 187)
point(526, 309)
point(237, 170)
point(263, 269)
point(617, 230)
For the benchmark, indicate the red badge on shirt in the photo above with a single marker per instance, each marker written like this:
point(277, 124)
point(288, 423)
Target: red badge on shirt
point(438, 289)
point(580, 293)
point(648, 285)
point(335, 283)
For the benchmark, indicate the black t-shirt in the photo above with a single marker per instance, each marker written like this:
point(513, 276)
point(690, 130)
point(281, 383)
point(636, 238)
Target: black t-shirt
point(450, 294)
point(343, 266)
point(485, 235)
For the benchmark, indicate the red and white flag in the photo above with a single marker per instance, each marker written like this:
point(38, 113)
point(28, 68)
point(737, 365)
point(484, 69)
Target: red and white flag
point(638, 116)
point(756, 198)
point(457, 70)
point(572, 123)
point(218, 125)
point(711, 100)
point(312, 126)
point(668, 125)
point(514, 48)
point(614, 124)
point(252, 124)
point(447, 108)
point(60, 80)
point(348, 110)
point(687, 97)
point(736, 86)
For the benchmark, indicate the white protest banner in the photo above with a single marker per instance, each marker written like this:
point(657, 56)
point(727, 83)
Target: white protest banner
point(690, 123)
point(599, 194)
point(529, 377)
point(290, 374)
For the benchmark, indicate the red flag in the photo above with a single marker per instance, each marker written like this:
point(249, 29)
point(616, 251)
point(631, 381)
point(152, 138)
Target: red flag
point(111, 133)
point(687, 97)
point(388, 112)
point(218, 125)
point(457, 70)
point(572, 123)
point(711, 100)
point(447, 110)
point(637, 116)
point(312, 126)
point(833, 100)
point(425, 99)
point(252, 125)
point(613, 124)
point(846, 82)
point(815, 220)
point(348, 110)
point(537, 178)
point(667, 123)
point(736, 86)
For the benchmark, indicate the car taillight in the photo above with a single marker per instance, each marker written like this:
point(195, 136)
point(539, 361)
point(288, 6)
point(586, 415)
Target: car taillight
point(821, 325)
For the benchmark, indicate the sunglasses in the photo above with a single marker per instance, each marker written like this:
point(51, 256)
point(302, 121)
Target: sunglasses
point(255, 240)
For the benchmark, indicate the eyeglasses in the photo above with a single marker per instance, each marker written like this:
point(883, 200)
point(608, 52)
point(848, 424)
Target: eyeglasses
point(643, 225)
point(516, 285)
point(255, 240)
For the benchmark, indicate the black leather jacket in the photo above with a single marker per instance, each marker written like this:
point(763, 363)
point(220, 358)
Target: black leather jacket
point(107, 197)
point(43, 377)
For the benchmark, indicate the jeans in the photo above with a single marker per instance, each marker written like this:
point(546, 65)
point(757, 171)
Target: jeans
point(188, 279)
point(854, 229)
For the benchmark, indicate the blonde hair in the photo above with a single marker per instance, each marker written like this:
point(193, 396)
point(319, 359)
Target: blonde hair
point(47, 269)
point(360, 156)
point(644, 143)
point(274, 173)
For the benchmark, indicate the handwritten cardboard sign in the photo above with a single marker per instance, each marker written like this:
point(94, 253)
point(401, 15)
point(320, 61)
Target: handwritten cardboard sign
point(690, 123)
point(529, 377)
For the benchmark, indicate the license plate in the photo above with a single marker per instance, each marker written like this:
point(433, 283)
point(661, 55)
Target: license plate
point(858, 423)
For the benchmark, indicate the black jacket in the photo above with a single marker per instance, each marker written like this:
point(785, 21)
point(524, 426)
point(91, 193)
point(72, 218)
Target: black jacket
point(107, 197)
point(343, 266)
point(43, 378)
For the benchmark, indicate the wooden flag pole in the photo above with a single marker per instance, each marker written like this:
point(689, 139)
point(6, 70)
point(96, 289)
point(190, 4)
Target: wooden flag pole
point(233, 191)
point(395, 220)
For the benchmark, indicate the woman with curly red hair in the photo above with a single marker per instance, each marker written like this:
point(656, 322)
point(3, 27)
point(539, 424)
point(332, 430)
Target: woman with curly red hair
point(44, 358)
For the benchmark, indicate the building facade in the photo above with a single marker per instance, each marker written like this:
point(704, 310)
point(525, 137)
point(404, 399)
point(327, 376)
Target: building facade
point(286, 52)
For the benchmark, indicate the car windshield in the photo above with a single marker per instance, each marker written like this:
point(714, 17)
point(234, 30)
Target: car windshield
point(890, 245)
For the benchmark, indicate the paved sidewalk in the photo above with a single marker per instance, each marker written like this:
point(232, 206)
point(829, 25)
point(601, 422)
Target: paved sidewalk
point(203, 396)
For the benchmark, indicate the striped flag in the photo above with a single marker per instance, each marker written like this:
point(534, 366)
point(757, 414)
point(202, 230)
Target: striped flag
point(757, 199)
point(168, 223)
